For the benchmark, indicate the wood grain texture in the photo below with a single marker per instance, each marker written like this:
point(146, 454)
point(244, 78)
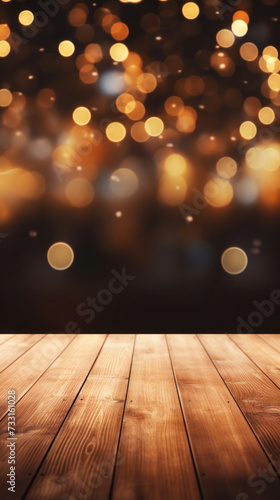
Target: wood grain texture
point(256, 395)
point(98, 420)
point(226, 452)
point(39, 416)
point(5, 336)
point(154, 448)
point(81, 461)
point(14, 347)
point(26, 370)
point(261, 353)
point(272, 339)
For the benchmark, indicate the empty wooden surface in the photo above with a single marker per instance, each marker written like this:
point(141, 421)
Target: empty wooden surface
point(157, 460)
point(142, 417)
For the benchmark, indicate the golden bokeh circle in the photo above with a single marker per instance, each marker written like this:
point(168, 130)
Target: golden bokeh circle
point(234, 260)
point(81, 115)
point(115, 132)
point(26, 17)
point(190, 10)
point(66, 48)
point(60, 256)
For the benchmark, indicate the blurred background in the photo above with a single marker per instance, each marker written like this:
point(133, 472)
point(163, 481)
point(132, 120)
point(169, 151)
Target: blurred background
point(145, 136)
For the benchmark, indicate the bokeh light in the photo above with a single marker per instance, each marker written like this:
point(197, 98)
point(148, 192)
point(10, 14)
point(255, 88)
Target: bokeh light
point(124, 122)
point(81, 115)
point(66, 48)
point(26, 17)
point(119, 52)
point(119, 31)
point(225, 38)
point(123, 183)
point(5, 98)
point(79, 192)
point(154, 126)
point(226, 167)
point(218, 192)
point(239, 28)
point(234, 260)
point(172, 190)
point(5, 48)
point(60, 256)
point(190, 10)
point(248, 130)
point(116, 132)
point(249, 51)
point(175, 164)
point(4, 31)
point(266, 115)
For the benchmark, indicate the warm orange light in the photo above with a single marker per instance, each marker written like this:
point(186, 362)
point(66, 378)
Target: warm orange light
point(234, 260)
point(119, 31)
point(119, 52)
point(66, 48)
point(146, 82)
point(81, 115)
point(115, 132)
point(190, 10)
point(154, 126)
point(241, 15)
point(5, 98)
point(266, 115)
point(249, 51)
point(225, 38)
point(172, 190)
point(5, 48)
point(175, 164)
point(79, 192)
point(60, 256)
point(123, 182)
point(26, 17)
point(135, 111)
point(138, 132)
point(274, 82)
point(173, 105)
point(226, 167)
point(93, 53)
point(4, 31)
point(218, 192)
point(248, 130)
point(239, 28)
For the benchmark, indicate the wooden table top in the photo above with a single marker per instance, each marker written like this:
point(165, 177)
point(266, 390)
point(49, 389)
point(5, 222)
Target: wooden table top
point(142, 417)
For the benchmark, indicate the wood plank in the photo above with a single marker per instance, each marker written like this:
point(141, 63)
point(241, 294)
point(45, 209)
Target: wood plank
point(261, 353)
point(81, 460)
point(256, 395)
point(272, 339)
point(26, 370)
point(5, 336)
point(40, 414)
point(13, 348)
point(226, 452)
point(154, 448)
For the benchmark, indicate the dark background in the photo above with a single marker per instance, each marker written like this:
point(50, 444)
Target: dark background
point(179, 283)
